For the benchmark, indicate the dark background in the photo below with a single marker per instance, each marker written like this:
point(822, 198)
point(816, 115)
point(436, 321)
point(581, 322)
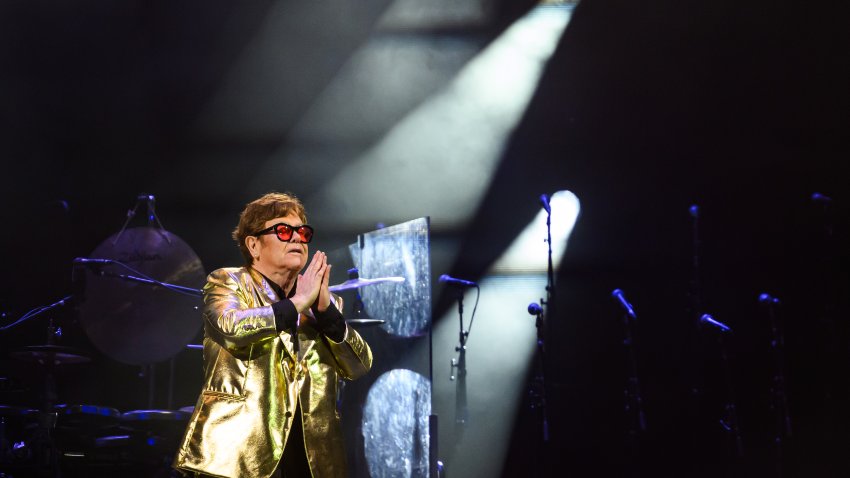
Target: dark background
point(645, 109)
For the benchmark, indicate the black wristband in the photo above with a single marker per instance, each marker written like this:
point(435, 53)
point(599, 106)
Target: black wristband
point(331, 323)
point(285, 315)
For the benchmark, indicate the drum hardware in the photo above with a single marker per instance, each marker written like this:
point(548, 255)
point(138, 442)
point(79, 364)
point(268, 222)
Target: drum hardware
point(355, 282)
point(78, 428)
point(156, 428)
point(55, 354)
point(147, 437)
point(13, 423)
point(120, 444)
point(37, 451)
point(86, 416)
point(132, 323)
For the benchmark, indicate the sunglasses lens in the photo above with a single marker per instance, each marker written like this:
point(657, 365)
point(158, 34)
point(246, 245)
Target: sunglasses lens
point(306, 234)
point(284, 232)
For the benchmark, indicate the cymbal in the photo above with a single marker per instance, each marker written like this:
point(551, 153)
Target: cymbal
point(361, 282)
point(365, 322)
point(140, 323)
point(44, 354)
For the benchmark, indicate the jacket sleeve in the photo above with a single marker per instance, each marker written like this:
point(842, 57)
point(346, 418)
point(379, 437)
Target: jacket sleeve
point(227, 313)
point(353, 355)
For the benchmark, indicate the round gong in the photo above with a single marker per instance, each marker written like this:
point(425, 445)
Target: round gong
point(140, 323)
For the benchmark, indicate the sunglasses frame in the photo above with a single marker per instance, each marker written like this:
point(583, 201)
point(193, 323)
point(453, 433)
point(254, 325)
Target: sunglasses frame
point(293, 229)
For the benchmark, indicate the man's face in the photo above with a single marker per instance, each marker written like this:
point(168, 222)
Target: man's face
point(278, 255)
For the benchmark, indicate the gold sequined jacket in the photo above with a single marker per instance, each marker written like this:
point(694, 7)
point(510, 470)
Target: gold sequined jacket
point(254, 379)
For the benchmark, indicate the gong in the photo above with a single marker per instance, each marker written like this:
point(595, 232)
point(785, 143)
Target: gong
point(127, 313)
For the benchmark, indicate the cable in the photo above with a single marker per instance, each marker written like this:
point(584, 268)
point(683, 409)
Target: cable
point(474, 308)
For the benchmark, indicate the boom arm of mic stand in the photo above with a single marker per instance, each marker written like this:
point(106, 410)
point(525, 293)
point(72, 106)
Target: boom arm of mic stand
point(37, 311)
point(174, 287)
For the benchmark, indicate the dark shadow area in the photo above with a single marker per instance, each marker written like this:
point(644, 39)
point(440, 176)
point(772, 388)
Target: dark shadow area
point(645, 110)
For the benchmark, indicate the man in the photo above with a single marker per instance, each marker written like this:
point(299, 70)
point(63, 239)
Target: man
point(275, 345)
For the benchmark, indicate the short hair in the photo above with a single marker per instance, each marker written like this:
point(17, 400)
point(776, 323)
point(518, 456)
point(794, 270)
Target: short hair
point(260, 210)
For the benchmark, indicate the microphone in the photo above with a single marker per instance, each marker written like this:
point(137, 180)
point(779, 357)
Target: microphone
point(694, 211)
point(820, 198)
point(707, 319)
point(457, 282)
point(768, 299)
point(544, 201)
point(618, 294)
point(535, 309)
point(92, 262)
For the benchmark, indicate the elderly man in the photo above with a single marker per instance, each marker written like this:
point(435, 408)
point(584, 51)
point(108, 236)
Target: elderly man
point(275, 345)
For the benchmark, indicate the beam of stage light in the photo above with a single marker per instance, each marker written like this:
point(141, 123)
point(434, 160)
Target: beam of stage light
point(522, 257)
point(440, 158)
point(500, 347)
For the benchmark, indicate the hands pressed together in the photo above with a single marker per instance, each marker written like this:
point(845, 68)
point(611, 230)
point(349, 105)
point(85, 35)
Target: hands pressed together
point(311, 291)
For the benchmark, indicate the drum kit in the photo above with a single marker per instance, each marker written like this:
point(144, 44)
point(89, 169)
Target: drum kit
point(137, 305)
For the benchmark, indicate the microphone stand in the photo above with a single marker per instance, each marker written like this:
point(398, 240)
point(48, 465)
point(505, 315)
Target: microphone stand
point(831, 332)
point(550, 271)
point(542, 325)
point(537, 390)
point(778, 396)
point(695, 296)
point(634, 400)
point(694, 365)
point(458, 368)
point(729, 422)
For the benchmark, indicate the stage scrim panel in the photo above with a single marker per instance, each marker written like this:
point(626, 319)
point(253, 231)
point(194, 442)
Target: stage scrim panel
point(394, 400)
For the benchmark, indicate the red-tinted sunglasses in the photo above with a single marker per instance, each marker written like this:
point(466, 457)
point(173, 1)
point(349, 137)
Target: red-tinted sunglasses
point(284, 231)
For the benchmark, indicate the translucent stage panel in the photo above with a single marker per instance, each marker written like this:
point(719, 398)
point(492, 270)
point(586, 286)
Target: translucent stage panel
point(395, 425)
point(387, 411)
point(401, 250)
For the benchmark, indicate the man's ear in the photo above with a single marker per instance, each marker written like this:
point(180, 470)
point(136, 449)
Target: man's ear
point(253, 245)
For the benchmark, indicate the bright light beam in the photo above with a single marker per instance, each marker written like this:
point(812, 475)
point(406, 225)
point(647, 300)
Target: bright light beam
point(522, 256)
point(439, 160)
point(501, 345)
